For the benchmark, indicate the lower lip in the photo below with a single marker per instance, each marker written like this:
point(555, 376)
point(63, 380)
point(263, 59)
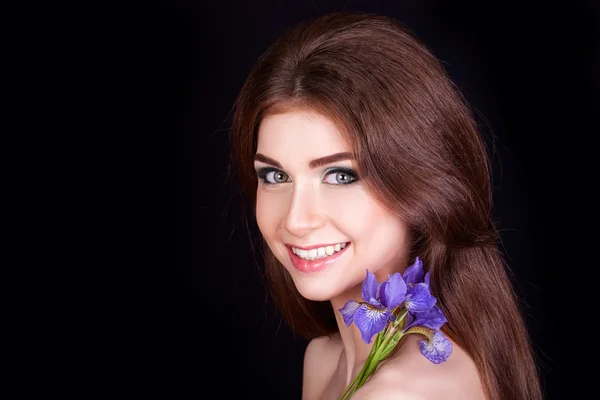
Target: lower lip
point(319, 264)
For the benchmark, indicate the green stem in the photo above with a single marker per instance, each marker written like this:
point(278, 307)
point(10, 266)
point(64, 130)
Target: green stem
point(371, 363)
point(385, 342)
point(360, 378)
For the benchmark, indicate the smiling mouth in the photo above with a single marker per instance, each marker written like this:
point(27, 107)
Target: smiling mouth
point(318, 253)
point(319, 262)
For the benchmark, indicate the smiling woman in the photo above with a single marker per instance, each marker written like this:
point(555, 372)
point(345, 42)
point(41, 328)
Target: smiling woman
point(314, 212)
point(359, 154)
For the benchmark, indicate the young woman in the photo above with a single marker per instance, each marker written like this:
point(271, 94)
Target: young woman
point(358, 153)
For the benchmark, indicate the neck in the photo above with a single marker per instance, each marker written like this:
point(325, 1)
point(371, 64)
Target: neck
point(356, 350)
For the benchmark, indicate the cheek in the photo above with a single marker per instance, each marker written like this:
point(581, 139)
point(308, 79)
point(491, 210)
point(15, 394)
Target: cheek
point(345, 205)
point(353, 211)
point(364, 219)
point(268, 213)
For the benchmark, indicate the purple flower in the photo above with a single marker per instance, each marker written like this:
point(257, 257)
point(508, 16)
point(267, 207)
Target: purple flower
point(418, 297)
point(372, 314)
point(414, 274)
point(433, 318)
point(437, 348)
point(401, 305)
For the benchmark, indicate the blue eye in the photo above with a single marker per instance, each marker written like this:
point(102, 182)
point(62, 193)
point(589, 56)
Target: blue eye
point(333, 176)
point(340, 176)
point(271, 176)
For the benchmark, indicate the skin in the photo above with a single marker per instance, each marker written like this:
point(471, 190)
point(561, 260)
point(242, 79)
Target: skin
point(299, 205)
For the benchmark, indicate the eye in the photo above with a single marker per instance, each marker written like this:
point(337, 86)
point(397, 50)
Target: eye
point(272, 176)
point(340, 176)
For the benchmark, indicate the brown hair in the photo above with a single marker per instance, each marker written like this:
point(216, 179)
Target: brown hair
point(419, 152)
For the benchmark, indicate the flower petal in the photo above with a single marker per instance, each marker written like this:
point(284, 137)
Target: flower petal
point(433, 318)
point(414, 273)
point(419, 299)
point(375, 303)
point(348, 311)
point(437, 349)
point(370, 287)
point(370, 321)
point(393, 291)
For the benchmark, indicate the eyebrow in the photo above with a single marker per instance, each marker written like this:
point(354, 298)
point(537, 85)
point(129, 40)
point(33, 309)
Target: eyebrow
point(319, 162)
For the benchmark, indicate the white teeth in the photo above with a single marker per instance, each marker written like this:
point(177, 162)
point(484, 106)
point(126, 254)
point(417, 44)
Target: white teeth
point(319, 252)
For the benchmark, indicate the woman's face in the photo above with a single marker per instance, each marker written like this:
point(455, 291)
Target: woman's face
point(315, 213)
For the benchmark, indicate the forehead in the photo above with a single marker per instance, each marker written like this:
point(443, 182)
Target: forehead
point(299, 131)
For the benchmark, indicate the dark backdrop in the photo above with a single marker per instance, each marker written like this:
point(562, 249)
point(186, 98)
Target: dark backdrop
point(181, 310)
point(524, 70)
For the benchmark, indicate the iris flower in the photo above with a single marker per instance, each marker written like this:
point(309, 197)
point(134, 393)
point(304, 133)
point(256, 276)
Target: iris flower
point(371, 315)
point(400, 305)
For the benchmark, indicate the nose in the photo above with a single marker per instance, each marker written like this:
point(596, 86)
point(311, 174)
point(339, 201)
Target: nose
point(305, 214)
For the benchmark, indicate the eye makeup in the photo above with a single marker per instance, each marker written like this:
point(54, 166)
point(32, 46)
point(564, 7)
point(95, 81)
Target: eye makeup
point(273, 176)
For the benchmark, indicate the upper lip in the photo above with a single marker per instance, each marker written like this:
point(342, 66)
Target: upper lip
point(314, 246)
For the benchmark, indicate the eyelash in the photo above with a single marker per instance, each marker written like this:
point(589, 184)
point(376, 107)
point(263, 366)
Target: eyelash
point(263, 172)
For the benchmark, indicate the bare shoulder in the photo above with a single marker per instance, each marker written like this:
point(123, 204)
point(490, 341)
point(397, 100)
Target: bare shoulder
point(320, 361)
point(411, 376)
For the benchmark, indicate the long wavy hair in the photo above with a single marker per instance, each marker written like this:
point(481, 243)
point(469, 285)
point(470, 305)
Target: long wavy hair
point(419, 152)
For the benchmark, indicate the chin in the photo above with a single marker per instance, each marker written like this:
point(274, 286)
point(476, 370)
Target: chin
point(313, 293)
point(326, 284)
point(319, 289)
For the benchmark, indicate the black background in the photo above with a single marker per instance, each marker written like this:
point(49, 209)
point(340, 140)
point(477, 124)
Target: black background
point(135, 99)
